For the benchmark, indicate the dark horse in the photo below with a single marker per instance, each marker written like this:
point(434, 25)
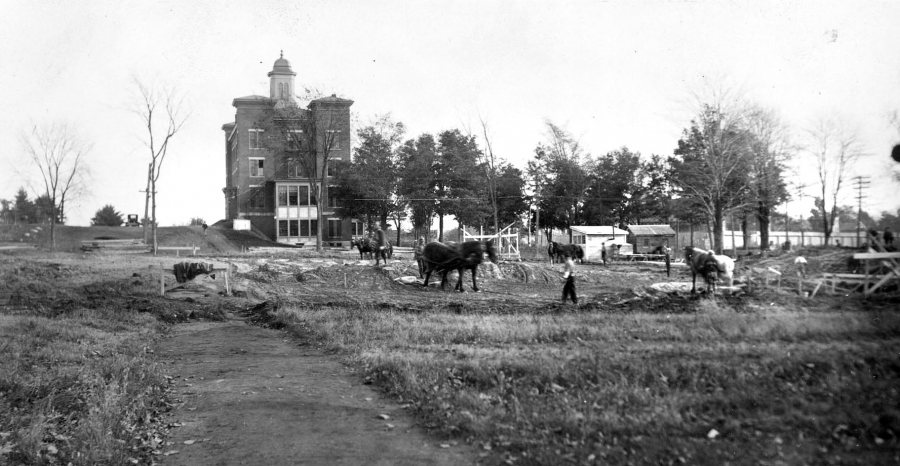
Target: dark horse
point(710, 266)
point(441, 257)
point(558, 251)
point(365, 246)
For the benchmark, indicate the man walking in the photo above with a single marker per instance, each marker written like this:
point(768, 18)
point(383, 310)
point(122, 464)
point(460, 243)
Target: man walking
point(569, 275)
point(381, 245)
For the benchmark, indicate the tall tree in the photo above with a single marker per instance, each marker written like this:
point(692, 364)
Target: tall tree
point(418, 183)
point(510, 194)
point(711, 164)
point(368, 184)
point(560, 169)
point(461, 179)
point(23, 208)
point(834, 149)
point(58, 153)
point(614, 181)
point(769, 149)
point(161, 111)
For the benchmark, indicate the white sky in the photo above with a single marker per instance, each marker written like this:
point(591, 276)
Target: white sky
point(613, 73)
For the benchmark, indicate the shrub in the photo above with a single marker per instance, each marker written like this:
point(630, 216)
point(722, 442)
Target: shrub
point(107, 217)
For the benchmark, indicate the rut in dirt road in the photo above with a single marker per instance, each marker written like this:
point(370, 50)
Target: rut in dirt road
point(251, 396)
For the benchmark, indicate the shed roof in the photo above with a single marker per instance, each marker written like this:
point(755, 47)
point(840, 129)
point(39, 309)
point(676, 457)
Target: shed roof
point(651, 230)
point(599, 230)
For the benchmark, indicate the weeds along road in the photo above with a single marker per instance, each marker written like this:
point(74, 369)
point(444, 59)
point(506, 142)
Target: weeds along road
point(253, 396)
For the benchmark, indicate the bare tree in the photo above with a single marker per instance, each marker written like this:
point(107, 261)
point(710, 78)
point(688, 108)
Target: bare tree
point(309, 142)
point(834, 149)
point(490, 168)
point(160, 109)
point(58, 152)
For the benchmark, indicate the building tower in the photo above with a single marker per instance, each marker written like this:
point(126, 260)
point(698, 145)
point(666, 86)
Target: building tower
point(281, 81)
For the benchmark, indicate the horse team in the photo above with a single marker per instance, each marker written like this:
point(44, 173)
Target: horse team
point(437, 257)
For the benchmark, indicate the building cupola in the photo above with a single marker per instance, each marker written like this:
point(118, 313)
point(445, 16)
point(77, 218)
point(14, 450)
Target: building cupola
point(281, 80)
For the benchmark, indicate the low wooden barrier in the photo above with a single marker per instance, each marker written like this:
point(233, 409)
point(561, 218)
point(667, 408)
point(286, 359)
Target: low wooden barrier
point(178, 249)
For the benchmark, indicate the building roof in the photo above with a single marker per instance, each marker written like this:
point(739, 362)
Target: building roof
point(332, 99)
point(599, 230)
point(282, 66)
point(251, 99)
point(651, 230)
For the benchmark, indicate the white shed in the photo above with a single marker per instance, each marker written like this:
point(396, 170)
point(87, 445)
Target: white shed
point(594, 238)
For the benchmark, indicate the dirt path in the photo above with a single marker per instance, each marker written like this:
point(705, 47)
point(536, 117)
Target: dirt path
point(253, 396)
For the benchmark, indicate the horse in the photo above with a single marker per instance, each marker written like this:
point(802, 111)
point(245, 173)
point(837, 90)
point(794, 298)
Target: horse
point(559, 251)
point(441, 257)
point(365, 246)
point(709, 265)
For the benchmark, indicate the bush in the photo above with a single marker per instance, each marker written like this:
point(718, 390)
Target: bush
point(107, 217)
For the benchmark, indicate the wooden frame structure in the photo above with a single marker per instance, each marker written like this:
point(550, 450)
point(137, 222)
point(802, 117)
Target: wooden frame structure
point(507, 242)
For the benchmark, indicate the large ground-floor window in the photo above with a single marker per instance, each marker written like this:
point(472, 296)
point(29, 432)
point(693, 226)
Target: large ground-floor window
point(334, 228)
point(288, 228)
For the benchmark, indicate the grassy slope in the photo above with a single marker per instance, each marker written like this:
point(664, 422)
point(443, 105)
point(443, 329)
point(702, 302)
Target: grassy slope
point(69, 238)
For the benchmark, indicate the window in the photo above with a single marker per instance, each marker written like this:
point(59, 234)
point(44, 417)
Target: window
point(334, 228)
point(257, 198)
point(332, 169)
point(282, 196)
point(646, 241)
point(292, 195)
point(256, 166)
point(283, 228)
point(333, 138)
point(304, 195)
point(294, 138)
point(284, 90)
point(309, 227)
point(356, 228)
point(255, 137)
point(292, 228)
point(297, 169)
point(332, 199)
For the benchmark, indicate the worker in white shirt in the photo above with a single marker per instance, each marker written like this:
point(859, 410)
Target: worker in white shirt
point(569, 275)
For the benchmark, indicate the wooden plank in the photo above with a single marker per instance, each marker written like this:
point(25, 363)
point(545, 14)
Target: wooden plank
point(876, 255)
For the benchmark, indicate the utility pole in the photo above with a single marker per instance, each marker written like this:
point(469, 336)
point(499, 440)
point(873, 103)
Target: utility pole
point(860, 182)
point(537, 219)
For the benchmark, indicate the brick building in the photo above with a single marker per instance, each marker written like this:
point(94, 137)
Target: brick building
point(276, 151)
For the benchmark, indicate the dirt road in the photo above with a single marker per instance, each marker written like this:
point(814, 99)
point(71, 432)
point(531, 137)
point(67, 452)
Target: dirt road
point(255, 396)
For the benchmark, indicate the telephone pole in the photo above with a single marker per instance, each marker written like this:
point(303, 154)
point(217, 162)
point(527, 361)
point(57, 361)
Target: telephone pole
point(860, 182)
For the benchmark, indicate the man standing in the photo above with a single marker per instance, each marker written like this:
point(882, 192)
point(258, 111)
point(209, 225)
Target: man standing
point(417, 255)
point(668, 252)
point(381, 246)
point(569, 275)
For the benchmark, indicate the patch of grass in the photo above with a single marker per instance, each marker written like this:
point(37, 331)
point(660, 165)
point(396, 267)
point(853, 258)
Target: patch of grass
point(78, 382)
point(728, 381)
point(76, 388)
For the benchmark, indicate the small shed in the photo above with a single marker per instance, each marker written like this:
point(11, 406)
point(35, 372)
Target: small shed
point(594, 238)
point(647, 238)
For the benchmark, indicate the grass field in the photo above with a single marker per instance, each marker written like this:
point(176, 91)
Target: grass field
point(724, 381)
point(627, 377)
point(79, 382)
